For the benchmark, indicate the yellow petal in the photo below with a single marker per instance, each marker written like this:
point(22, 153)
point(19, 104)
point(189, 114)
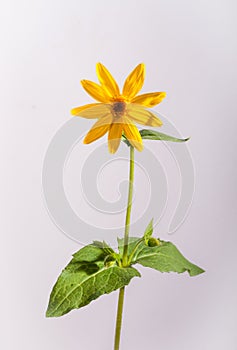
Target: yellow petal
point(98, 129)
point(114, 136)
point(134, 82)
point(107, 80)
point(76, 111)
point(97, 111)
point(132, 134)
point(96, 91)
point(142, 116)
point(150, 99)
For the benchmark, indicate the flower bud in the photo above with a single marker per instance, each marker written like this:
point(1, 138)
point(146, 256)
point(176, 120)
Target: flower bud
point(153, 242)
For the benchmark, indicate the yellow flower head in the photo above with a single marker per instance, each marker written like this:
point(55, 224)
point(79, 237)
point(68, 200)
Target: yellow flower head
point(116, 112)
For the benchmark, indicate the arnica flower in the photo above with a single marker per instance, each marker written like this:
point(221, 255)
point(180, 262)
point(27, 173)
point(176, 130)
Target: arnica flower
point(116, 112)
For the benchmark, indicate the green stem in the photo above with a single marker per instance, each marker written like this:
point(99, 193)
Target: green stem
point(125, 250)
point(129, 207)
point(119, 318)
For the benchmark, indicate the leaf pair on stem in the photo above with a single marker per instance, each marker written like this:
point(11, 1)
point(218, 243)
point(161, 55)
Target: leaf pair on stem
point(97, 269)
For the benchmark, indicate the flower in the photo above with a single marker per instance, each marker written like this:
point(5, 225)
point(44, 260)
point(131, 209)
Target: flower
point(116, 112)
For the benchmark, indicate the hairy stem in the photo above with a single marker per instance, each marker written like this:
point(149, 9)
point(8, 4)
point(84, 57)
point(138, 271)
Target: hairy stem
point(125, 251)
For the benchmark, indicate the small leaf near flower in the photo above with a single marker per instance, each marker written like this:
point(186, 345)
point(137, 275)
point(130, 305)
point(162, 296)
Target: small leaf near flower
point(155, 135)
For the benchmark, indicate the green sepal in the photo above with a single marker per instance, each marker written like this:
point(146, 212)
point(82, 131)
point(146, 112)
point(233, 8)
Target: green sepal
point(82, 281)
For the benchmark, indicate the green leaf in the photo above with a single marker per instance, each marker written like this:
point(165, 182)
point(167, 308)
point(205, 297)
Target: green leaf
point(98, 251)
point(164, 258)
point(155, 135)
point(149, 230)
point(82, 282)
point(104, 246)
point(132, 243)
point(90, 253)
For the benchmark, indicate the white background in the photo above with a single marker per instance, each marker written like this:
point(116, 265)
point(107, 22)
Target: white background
point(190, 50)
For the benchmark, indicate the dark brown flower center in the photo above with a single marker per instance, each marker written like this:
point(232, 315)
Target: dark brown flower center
point(119, 108)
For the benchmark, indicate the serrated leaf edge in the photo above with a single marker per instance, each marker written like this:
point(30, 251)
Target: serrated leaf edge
point(86, 279)
point(137, 261)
